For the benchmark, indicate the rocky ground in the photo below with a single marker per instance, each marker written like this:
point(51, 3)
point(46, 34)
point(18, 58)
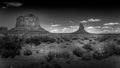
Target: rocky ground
point(62, 51)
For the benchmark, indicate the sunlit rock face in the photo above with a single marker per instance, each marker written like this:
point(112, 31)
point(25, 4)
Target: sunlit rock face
point(28, 24)
point(29, 20)
point(81, 30)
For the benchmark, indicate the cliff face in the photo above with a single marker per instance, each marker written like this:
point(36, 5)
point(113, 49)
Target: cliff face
point(29, 20)
point(81, 30)
point(27, 24)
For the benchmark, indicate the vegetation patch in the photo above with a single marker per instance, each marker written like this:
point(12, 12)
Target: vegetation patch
point(10, 46)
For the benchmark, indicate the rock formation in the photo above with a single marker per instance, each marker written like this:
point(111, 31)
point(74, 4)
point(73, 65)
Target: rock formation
point(29, 20)
point(28, 24)
point(81, 30)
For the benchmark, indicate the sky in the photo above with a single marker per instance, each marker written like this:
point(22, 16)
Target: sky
point(64, 18)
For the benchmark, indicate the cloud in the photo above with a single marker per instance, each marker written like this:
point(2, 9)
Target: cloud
point(93, 27)
point(90, 20)
point(93, 20)
point(99, 29)
point(117, 29)
point(69, 29)
point(111, 23)
point(83, 21)
point(55, 25)
point(107, 27)
point(54, 30)
point(14, 4)
point(74, 27)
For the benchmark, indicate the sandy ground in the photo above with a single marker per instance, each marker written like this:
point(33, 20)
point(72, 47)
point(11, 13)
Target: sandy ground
point(111, 62)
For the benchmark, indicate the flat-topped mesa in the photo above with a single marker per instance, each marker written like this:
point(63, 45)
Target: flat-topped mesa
point(28, 24)
point(81, 30)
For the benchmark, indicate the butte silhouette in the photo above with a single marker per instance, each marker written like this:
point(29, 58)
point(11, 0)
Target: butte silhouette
point(81, 30)
point(27, 25)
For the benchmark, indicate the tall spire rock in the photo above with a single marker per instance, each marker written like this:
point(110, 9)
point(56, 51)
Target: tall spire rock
point(81, 29)
point(28, 24)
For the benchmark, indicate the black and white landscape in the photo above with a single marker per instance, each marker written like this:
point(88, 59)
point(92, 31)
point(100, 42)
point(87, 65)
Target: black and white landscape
point(33, 35)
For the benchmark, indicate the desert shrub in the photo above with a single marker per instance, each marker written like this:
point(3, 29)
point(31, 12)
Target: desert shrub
point(105, 52)
point(10, 46)
point(77, 52)
point(75, 38)
point(50, 56)
point(103, 38)
point(117, 50)
point(59, 40)
point(107, 38)
point(98, 55)
point(27, 52)
point(65, 38)
point(55, 55)
point(87, 56)
point(64, 55)
point(39, 40)
point(118, 42)
point(34, 40)
point(88, 47)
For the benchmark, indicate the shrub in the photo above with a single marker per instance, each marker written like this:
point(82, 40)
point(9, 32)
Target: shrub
point(52, 55)
point(106, 51)
point(39, 40)
point(27, 52)
point(77, 52)
point(10, 46)
point(35, 41)
point(117, 50)
point(88, 47)
point(118, 42)
point(64, 55)
point(65, 38)
point(99, 56)
point(87, 56)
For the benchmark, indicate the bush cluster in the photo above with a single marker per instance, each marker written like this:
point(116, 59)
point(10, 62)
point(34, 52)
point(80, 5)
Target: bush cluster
point(106, 51)
point(10, 46)
point(77, 52)
point(39, 40)
point(52, 55)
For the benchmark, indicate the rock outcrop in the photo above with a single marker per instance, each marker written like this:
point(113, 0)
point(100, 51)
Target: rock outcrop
point(81, 30)
point(28, 24)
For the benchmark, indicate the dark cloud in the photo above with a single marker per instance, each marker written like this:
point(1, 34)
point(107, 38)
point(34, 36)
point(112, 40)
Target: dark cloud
point(12, 4)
